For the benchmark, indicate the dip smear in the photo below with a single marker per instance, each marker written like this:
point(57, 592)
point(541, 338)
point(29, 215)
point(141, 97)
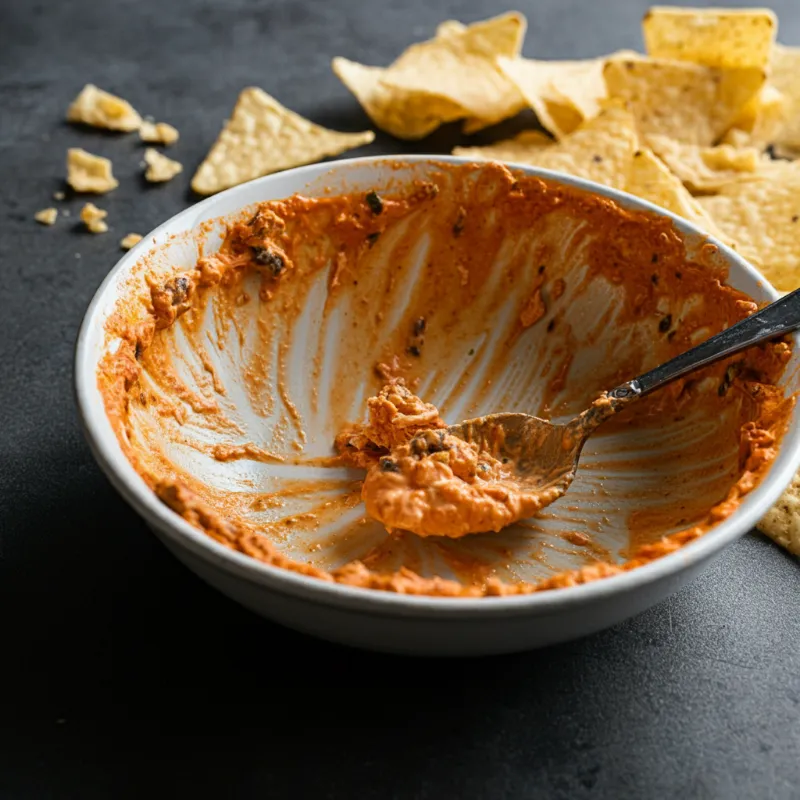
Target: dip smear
point(226, 380)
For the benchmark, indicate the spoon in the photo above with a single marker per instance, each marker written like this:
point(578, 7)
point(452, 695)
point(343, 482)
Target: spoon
point(544, 456)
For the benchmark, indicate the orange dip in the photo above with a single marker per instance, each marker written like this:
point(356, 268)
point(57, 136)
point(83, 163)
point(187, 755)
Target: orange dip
point(422, 479)
point(557, 247)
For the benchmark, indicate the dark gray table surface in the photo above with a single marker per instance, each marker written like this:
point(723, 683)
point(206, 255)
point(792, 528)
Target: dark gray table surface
point(125, 676)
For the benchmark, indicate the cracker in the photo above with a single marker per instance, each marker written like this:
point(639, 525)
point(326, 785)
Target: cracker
point(263, 137)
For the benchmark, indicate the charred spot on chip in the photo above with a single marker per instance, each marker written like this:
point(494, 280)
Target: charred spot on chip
point(415, 351)
point(679, 275)
point(671, 335)
point(389, 465)
point(551, 325)
point(542, 268)
point(598, 159)
point(137, 350)
point(374, 202)
point(268, 258)
point(665, 324)
point(795, 218)
point(373, 237)
point(419, 326)
point(654, 260)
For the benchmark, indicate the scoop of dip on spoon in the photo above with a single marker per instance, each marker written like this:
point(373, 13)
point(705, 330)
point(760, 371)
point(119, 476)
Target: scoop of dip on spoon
point(483, 474)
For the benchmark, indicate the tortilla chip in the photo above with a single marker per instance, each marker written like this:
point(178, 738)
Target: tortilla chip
point(763, 215)
point(160, 168)
point(687, 102)
point(650, 179)
point(88, 173)
point(100, 109)
point(406, 115)
point(782, 522)
point(706, 169)
point(598, 150)
point(561, 93)
point(47, 216)
point(517, 150)
point(263, 137)
point(451, 76)
point(158, 133)
point(780, 124)
point(713, 37)
point(94, 218)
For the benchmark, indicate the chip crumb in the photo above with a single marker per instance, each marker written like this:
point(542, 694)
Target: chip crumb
point(101, 109)
point(58, 195)
point(158, 132)
point(47, 216)
point(94, 219)
point(263, 137)
point(89, 173)
point(131, 240)
point(159, 167)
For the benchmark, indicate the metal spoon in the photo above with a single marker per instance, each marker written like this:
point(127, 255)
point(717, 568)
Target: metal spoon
point(544, 456)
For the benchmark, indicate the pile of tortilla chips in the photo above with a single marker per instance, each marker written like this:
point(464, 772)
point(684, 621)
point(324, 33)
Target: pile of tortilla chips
point(706, 125)
point(694, 125)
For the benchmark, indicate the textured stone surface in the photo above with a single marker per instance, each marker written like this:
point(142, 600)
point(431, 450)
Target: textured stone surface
point(125, 676)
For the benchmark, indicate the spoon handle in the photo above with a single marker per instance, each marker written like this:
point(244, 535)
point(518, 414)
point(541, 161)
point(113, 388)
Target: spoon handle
point(776, 319)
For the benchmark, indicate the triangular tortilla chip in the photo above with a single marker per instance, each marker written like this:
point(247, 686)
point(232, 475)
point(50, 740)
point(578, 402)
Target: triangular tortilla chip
point(598, 150)
point(460, 66)
point(262, 137)
point(763, 215)
point(406, 115)
point(517, 150)
point(785, 79)
point(650, 179)
point(561, 93)
point(450, 77)
point(763, 117)
point(688, 102)
point(706, 169)
point(782, 523)
point(709, 36)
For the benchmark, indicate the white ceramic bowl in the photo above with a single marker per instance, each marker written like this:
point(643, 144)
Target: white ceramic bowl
point(368, 618)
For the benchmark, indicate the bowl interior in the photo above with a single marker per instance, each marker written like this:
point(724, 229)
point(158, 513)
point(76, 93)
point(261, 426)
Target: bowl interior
point(246, 392)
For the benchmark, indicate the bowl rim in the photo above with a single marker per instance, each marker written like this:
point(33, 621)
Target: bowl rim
point(111, 459)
